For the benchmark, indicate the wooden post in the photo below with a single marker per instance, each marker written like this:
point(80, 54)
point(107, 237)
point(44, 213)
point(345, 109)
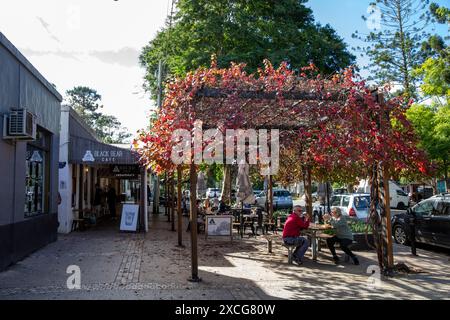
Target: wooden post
point(180, 213)
point(143, 200)
point(386, 222)
point(172, 201)
point(193, 223)
point(307, 184)
point(166, 195)
point(388, 255)
point(270, 197)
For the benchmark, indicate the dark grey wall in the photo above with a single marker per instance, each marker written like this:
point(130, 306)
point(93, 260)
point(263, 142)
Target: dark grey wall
point(21, 85)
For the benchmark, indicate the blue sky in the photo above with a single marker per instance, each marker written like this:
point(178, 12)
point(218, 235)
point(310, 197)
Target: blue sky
point(345, 17)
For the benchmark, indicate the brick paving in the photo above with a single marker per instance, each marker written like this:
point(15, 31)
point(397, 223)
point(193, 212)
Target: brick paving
point(116, 265)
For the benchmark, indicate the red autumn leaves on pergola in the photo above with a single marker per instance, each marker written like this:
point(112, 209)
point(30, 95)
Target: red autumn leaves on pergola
point(333, 126)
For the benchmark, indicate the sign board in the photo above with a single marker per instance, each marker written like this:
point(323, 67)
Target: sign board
point(219, 226)
point(441, 186)
point(124, 171)
point(130, 213)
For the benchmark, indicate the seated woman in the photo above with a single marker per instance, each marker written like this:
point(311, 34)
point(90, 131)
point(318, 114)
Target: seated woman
point(344, 235)
point(207, 207)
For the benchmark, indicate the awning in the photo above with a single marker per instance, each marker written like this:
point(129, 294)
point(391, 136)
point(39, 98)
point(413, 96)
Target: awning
point(88, 151)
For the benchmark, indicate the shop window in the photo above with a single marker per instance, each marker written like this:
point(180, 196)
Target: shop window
point(37, 175)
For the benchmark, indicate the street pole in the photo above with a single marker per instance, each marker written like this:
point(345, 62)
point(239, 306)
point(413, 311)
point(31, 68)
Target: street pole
point(159, 104)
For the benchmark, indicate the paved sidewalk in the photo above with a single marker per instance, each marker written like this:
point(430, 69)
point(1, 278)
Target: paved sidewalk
point(117, 265)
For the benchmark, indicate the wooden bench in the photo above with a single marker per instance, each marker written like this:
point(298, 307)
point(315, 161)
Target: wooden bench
point(270, 238)
point(290, 248)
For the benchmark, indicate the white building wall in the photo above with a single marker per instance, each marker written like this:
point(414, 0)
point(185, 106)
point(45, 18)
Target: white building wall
point(65, 216)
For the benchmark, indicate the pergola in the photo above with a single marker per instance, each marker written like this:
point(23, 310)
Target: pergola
point(333, 123)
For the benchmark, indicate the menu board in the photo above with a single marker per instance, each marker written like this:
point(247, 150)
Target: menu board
point(219, 226)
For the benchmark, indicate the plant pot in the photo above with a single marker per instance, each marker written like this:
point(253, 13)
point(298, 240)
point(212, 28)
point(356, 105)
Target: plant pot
point(361, 242)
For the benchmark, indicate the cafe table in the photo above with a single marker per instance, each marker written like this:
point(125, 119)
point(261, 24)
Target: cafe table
point(315, 231)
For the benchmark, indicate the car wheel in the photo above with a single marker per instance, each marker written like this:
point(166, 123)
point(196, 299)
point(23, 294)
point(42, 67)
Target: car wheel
point(401, 206)
point(400, 235)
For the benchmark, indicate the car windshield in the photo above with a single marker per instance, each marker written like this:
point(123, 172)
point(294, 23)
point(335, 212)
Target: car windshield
point(424, 208)
point(336, 201)
point(345, 201)
point(362, 202)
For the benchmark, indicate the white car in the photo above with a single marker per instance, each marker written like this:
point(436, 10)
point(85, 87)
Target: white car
point(213, 193)
point(356, 205)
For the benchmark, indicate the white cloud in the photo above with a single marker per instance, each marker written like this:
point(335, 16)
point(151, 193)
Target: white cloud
point(92, 43)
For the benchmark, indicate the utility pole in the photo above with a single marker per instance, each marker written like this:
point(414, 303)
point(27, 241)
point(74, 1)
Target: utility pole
point(156, 180)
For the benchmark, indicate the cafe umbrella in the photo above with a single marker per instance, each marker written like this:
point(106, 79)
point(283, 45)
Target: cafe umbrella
point(244, 194)
point(201, 185)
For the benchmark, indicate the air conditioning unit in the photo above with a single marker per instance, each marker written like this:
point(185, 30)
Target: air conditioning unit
point(19, 124)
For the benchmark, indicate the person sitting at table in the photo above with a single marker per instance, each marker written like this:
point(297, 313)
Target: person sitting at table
point(223, 207)
point(295, 223)
point(207, 207)
point(344, 235)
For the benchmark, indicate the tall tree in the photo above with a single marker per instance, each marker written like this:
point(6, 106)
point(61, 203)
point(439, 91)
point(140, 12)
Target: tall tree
point(435, 71)
point(247, 31)
point(242, 31)
point(87, 103)
point(432, 121)
point(394, 46)
point(432, 124)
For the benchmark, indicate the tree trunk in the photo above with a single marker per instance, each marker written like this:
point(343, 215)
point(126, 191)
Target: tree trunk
point(226, 185)
point(349, 188)
point(308, 194)
point(156, 195)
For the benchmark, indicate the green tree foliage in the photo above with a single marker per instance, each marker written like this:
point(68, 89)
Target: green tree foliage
point(242, 31)
point(395, 48)
point(87, 103)
point(435, 71)
point(440, 13)
point(432, 124)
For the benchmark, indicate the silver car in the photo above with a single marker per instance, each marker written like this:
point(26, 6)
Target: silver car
point(282, 199)
point(355, 205)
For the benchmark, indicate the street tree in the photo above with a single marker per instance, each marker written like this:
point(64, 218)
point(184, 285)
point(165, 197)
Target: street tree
point(242, 31)
point(394, 47)
point(87, 103)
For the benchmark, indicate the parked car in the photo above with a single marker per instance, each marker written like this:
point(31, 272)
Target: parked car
point(282, 199)
point(399, 198)
point(355, 205)
point(340, 191)
point(213, 193)
point(257, 192)
point(432, 222)
point(314, 197)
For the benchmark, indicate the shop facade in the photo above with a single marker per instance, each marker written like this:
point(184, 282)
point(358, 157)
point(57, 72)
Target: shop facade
point(28, 159)
point(86, 162)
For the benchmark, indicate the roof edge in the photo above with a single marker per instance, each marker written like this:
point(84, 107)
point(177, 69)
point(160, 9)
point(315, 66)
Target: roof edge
point(27, 64)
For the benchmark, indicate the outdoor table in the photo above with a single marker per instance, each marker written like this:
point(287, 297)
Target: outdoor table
point(313, 230)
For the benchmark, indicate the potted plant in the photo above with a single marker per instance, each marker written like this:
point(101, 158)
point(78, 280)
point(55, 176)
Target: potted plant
point(280, 216)
point(362, 235)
